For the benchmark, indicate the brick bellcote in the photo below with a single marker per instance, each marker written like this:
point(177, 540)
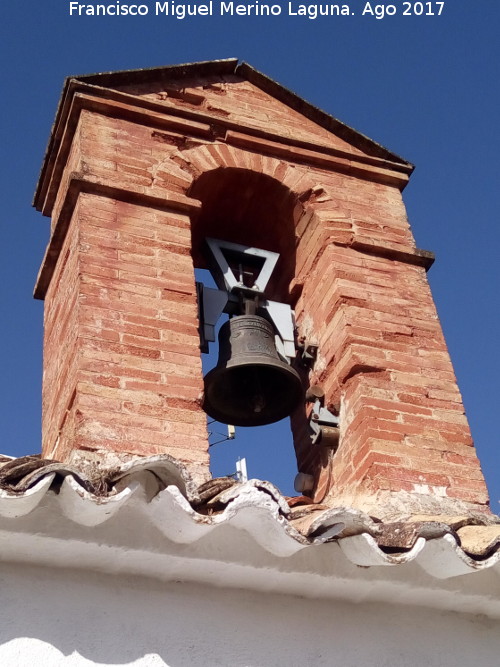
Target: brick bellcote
point(141, 167)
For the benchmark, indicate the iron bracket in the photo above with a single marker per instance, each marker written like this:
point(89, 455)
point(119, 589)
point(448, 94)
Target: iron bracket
point(211, 305)
point(224, 275)
point(232, 290)
point(308, 353)
point(283, 318)
point(324, 425)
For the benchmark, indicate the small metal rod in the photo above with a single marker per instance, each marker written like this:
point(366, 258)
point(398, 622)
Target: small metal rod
point(250, 307)
point(219, 441)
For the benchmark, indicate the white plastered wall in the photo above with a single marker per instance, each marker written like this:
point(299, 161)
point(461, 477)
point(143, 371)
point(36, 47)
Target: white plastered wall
point(52, 618)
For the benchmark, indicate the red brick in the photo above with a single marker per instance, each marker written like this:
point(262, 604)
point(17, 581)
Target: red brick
point(121, 316)
point(415, 476)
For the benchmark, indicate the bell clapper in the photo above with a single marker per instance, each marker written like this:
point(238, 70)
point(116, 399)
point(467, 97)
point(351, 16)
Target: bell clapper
point(258, 402)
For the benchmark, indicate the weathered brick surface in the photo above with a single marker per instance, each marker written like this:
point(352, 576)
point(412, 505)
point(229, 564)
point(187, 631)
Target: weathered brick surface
point(384, 360)
point(134, 378)
point(61, 344)
point(122, 365)
point(239, 101)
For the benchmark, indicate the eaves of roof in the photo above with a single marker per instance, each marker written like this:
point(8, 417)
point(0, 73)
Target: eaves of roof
point(149, 518)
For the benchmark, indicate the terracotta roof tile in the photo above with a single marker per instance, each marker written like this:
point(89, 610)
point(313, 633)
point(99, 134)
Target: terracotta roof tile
point(472, 542)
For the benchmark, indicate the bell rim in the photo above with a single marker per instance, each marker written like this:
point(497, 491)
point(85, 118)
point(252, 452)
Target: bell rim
point(297, 395)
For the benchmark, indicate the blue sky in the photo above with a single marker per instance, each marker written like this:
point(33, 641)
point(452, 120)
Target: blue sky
point(427, 87)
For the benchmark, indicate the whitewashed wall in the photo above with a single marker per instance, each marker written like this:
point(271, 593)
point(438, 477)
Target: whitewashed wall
point(52, 618)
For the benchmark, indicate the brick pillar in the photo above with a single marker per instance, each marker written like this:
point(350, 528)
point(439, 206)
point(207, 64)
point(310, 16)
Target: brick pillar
point(122, 368)
point(122, 364)
point(405, 444)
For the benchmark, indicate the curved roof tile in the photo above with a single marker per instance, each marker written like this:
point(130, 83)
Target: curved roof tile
point(184, 513)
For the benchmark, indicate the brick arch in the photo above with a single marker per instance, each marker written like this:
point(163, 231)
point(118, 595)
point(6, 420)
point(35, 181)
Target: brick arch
point(197, 160)
point(204, 157)
point(300, 180)
point(208, 169)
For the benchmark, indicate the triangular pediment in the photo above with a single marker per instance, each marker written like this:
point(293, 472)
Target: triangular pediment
point(237, 93)
point(223, 96)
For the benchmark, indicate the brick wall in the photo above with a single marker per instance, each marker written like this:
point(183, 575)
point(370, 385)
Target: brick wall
point(138, 181)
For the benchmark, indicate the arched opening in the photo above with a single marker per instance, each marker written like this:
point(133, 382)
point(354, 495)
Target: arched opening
point(251, 209)
point(248, 208)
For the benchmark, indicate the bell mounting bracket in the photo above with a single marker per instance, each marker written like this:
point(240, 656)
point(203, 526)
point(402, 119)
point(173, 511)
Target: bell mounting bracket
point(242, 274)
point(324, 426)
point(230, 275)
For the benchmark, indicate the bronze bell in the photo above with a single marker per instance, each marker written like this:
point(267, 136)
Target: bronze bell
point(251, 385)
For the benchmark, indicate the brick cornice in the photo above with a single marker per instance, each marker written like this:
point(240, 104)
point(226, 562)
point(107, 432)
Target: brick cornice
point(196, 124)
point(416, 256)
point(216, 123)
point(347, 163)
point(85, 184)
